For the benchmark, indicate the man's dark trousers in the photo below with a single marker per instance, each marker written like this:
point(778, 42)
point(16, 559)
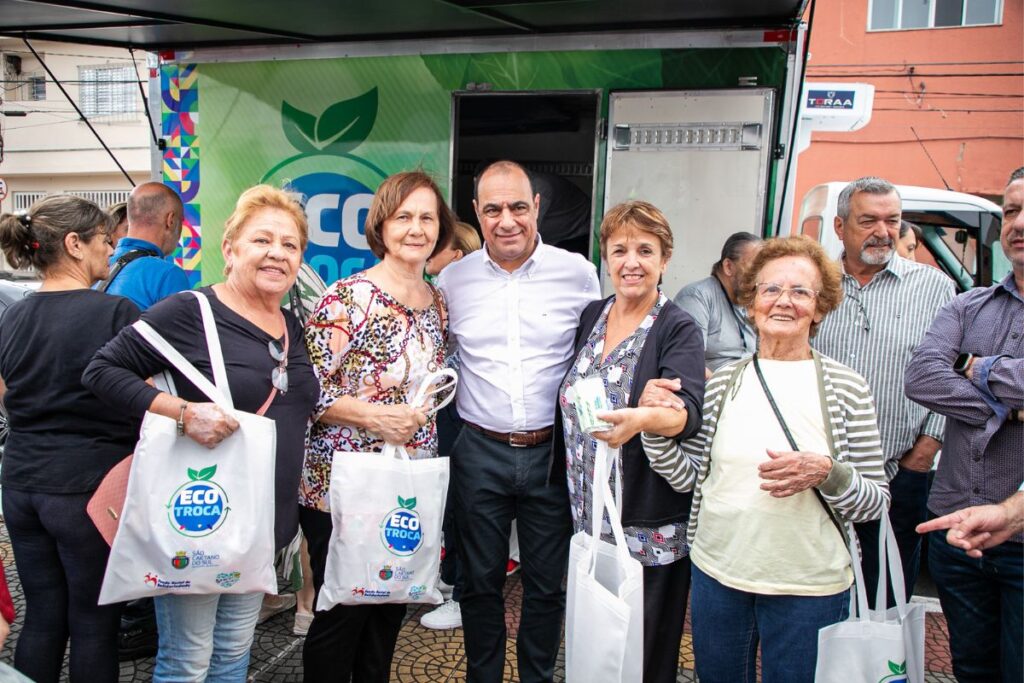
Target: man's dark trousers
point(494, 482)
point(909, 491)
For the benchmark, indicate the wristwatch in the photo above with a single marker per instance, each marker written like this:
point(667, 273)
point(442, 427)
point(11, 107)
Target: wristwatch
point(962, 362)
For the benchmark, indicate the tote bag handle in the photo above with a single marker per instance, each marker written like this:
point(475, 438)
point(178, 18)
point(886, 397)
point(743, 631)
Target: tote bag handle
point(445, 380)
point(219, 393)
point(604, 500)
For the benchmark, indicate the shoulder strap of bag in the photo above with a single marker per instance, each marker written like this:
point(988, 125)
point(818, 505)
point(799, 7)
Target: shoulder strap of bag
point(434, 383)
point(122, 261)
point(174, 357)
point(220, 373)
point(792, 444)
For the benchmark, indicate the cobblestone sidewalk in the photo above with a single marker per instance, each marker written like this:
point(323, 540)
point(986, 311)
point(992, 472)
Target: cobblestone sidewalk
point(422, 656)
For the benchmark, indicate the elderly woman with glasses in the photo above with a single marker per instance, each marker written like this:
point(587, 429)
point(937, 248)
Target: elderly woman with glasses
point(788, 453)
point(373, 339)
point(209, 636)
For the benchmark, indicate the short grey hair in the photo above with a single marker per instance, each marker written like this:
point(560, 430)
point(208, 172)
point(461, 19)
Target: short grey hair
point(869, 184)
point(1016, 175)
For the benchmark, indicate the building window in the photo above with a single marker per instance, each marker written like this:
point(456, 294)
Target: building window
point(887, 15)
point(108, 90)
point(36, 88)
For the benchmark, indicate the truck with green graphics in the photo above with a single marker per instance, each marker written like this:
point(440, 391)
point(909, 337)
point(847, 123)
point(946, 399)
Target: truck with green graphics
point(690, 105)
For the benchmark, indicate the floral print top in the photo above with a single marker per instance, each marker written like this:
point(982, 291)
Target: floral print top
point(651, 547)
point(365, 343)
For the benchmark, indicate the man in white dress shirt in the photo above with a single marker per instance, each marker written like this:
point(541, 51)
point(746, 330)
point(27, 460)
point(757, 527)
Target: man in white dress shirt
point(513, 308)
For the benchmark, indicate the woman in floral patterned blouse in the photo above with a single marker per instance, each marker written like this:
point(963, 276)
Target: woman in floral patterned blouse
point(373, 338)
point(634, 336)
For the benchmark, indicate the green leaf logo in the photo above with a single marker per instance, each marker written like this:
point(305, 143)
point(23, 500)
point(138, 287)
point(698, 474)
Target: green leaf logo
point(204, 474)
point(341, 128)
point(897, 668)
point(407, 503)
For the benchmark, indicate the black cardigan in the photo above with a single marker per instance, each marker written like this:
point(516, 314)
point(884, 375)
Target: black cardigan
point(674, 348)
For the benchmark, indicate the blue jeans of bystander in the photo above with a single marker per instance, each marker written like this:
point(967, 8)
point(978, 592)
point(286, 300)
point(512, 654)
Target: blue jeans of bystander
point(205, 637)
point(728, 624)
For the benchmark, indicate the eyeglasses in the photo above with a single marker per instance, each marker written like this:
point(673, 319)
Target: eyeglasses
point(279, 375)
point(770, 291)
point(515, 208)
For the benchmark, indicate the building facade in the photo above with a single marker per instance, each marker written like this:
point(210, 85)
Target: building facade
point(949, 93)
point(45, 147)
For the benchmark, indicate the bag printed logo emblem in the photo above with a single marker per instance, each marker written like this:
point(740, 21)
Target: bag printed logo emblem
point(899, 673)
point(388, 572)
point(400, 530)
point(180, 560)
point(199, 506)
point(417, 592)
point(228, 579)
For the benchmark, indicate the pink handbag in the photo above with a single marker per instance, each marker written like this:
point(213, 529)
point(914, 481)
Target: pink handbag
point(105, 506)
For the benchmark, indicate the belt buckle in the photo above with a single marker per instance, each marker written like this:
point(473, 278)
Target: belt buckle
point(519, 439)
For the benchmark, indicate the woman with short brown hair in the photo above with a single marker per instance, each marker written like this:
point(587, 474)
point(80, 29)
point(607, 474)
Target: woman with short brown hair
point(373, 338)
point(633, 336)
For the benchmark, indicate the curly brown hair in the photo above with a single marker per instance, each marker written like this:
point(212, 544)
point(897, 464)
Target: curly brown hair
point(831, 293)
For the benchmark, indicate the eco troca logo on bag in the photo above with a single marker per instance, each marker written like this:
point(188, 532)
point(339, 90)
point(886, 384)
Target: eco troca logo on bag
point(898, 675)
point(199, 506)
point(400, 531)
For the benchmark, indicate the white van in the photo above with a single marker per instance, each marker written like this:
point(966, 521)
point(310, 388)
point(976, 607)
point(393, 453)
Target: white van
point(961, 231)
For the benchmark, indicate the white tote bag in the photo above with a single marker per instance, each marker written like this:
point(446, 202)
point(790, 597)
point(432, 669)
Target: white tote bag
point(880, 645)
point(604, 609)
point(196, 520)
point(387, 511)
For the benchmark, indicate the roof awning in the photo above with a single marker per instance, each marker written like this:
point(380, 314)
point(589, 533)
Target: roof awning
point(189, 24)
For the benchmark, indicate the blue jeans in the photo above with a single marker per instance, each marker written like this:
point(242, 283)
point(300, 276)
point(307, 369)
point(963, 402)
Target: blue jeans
point(729, 623)
point(205, 637)
point(984, 605)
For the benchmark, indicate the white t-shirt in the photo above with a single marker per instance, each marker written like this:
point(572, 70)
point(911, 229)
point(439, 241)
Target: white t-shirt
point(746, 539)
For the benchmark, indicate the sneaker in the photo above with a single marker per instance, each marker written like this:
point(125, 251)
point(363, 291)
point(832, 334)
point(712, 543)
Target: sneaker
point(445, 589)
point(447, 616)
point(274, 605)
point(511, 568)
point(136, 642)
point(302, 622)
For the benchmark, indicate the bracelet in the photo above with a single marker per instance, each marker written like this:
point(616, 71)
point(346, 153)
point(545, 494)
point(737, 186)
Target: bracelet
point(181, 419)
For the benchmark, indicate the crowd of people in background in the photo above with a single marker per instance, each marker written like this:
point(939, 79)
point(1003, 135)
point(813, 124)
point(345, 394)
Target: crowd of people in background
point(764, 418)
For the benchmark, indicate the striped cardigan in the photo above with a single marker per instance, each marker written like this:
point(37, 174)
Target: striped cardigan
point(855, 488)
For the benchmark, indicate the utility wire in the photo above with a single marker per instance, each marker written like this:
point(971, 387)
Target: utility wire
point(145, 100)
point(82, 115)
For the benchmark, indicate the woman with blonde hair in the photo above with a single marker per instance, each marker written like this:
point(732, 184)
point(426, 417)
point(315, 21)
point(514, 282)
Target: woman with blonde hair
point(208, 637)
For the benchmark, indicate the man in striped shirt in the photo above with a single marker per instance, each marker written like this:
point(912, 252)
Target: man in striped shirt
point(888, 305)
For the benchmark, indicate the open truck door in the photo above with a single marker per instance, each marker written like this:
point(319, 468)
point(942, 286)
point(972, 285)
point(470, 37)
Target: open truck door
point(702, 157)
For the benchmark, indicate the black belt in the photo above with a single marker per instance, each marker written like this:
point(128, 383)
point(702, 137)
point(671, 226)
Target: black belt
point(516, 439)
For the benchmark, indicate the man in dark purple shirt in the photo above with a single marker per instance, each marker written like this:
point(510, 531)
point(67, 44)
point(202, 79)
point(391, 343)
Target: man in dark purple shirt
point(970, 368)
